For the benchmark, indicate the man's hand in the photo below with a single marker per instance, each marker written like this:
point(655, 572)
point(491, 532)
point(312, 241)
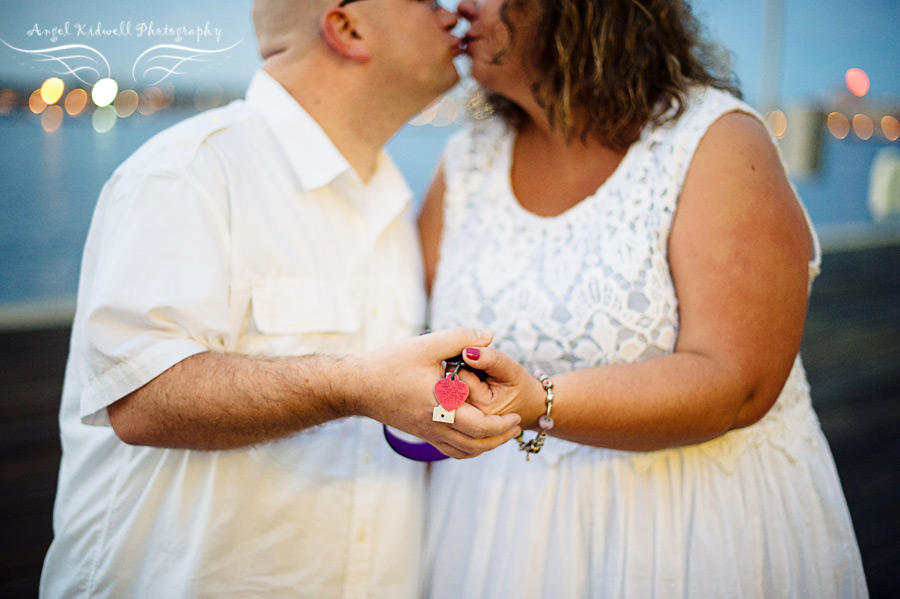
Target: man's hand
point(401, 380)
point(215, 401)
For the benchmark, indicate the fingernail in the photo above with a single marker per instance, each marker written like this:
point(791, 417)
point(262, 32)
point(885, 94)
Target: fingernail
point(483, 333)
point(472, 353)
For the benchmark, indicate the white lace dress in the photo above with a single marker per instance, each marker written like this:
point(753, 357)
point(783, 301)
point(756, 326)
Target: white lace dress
point(757, 512)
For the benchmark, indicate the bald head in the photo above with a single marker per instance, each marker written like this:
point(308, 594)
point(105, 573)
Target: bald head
point(283, 25)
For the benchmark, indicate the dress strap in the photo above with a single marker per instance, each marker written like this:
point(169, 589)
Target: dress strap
point(815, 263)
point(467, 160)
point(705, 107)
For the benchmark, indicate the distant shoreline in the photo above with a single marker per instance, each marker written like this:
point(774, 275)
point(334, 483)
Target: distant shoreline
point(37, 314)
point(847, 237)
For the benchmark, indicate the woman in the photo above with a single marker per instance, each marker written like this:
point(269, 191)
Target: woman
point(624, 223)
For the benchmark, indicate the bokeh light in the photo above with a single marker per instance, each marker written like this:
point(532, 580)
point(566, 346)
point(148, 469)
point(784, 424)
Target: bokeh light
point(777, 123)
point(52, 118)
point(446, 114)
point(168, 90)
point(426, 116)
point(36, 103)
point(7, 101)
point(857, 82)
point(838, 125)
point(76, 100)
point(104, 92)
point(863, 127)
point(208, 96)
point(52, 90)
point(104, 119)
point(150, 100)
point(890, 128)
point(441, 113)
point(126, 103)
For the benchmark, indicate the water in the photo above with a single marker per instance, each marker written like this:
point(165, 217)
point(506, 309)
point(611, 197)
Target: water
point(51, 181)
point(50, 185)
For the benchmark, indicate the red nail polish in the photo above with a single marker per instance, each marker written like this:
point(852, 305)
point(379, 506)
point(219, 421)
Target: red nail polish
point(472, 353)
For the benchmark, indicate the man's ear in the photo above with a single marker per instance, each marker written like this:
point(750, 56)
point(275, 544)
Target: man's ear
point(340, 32)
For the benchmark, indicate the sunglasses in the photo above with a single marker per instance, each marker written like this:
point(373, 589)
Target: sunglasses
point(435, 4)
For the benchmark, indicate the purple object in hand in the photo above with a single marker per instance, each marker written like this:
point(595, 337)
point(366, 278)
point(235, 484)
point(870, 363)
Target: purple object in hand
point(419, 451)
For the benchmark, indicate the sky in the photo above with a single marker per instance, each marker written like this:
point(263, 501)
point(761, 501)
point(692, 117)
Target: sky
point(218, 35)
point(821, 39)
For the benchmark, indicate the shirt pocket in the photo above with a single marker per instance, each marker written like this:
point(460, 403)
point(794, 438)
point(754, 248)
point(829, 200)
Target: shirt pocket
point(302, 306)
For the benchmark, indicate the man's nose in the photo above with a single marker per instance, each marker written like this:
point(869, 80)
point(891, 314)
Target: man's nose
point(448, 19)
point(467, 9)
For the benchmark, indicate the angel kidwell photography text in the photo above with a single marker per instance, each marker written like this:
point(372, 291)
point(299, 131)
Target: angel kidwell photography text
point(149, 29)
point(148, 52)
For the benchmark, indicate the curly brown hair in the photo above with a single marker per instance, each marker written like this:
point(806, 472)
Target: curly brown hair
point(607, 68)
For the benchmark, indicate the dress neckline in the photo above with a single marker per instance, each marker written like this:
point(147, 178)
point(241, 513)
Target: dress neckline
point(507, 146)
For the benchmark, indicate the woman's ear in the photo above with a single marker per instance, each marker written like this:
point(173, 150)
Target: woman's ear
point(342, 35)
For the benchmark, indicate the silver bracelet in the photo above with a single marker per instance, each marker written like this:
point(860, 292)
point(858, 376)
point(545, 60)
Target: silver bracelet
point(545, 421)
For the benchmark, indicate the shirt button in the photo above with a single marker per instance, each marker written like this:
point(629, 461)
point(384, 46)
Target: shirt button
point(367, 458)
point(361, 536)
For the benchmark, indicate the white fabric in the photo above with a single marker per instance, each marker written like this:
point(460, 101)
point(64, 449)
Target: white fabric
point(241, 230)
point(757, 512)
point(884, 185)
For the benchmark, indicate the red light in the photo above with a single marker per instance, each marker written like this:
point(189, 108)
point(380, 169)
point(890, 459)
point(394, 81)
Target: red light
point(857, 82)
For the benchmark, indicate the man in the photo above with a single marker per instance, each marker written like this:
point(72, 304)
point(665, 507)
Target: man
point(221, 416)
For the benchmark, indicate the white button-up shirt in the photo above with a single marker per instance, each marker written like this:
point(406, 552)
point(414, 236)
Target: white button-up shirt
point(240, 230)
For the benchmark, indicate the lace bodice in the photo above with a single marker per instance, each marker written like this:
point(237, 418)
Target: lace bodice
point(592, 285)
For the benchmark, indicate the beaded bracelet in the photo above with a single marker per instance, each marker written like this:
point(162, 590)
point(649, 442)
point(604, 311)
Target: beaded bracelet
point(545, 422)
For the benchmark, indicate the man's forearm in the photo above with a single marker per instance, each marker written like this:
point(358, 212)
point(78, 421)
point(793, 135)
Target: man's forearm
point(218, 401)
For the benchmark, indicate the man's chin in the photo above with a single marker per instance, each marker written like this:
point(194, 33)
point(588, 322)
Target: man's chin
point(454, 80)
point(446, 83)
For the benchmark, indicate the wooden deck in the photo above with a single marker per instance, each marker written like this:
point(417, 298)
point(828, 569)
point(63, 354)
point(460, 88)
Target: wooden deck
point(851, 348)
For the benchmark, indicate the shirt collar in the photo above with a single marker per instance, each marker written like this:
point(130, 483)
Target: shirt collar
point(314, 156)
point(311, 153)
point(392, 190)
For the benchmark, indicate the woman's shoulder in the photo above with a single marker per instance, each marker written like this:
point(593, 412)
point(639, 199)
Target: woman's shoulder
point(703, 107)
point(698, 109)
point(706, 105)
point(701, 98)
point(707, 110)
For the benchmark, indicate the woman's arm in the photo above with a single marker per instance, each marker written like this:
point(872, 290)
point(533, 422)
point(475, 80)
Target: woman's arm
point(738, 253)
point(431, 219)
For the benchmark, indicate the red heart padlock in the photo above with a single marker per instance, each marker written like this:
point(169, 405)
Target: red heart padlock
point(451, 392)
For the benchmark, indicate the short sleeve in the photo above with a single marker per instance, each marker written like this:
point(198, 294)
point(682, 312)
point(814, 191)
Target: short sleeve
point(155, 279)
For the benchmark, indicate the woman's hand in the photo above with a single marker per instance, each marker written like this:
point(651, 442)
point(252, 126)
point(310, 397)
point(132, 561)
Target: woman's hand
point(401, 377)
point(507, 389)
